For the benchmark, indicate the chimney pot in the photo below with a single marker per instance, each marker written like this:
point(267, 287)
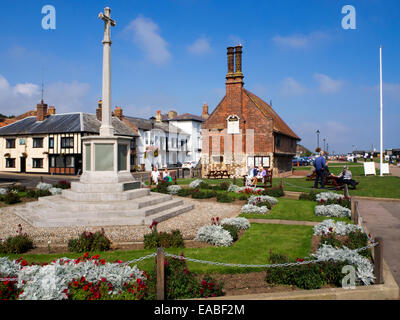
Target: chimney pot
point(158, 116)
point(230, 60)
point(118, 112)
point(51, 111)
point(238, 59)
point(205, 114)
point(172, 114)
point(99, 110)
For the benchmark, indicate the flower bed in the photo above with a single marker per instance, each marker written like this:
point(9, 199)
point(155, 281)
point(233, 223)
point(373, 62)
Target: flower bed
point(325, 196)
point(215, 235)
point(53, 281)
point(173, 189)
point(257, 199)
point(332, 210)
point(239, 223)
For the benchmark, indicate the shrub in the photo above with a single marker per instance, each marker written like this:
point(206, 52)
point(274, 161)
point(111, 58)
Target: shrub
point(332, 210)
point(20, 243)
point(224, 198)
point(163, 239)
point(239, 223)
point(328, 196)
point(11, 198)
point(233, 231)
point(184, 192)
point(55, 191)
point(274, 192)
point(63, 184)
point(214, 235)
point(17, 188)
point(243, 196)
point(180, 283)
point(344, 202)
point(207, 194)
point(224, 186)
point(196, 184)
point(305, 276)
point(37, 193)
point(89, 241)
point(162, 186)
point(309, 196)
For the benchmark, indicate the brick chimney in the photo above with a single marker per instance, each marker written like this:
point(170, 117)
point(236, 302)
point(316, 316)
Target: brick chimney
point(172, 114)
point(98, 110)
point(41, 111)
point(205, 114)
point(118, 112)
point(158, 116)
point(234, 81)
point(51, 110)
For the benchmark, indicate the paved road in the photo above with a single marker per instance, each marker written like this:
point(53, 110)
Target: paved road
point(31, 180)
point(382, 218)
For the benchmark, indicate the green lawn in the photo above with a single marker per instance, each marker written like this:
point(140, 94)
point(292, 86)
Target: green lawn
point(289, 209)
point(253, 248)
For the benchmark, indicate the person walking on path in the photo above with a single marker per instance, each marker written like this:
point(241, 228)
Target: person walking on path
point(319, 165)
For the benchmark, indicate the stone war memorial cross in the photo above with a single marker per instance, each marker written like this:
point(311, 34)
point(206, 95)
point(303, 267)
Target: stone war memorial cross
point(107, 194)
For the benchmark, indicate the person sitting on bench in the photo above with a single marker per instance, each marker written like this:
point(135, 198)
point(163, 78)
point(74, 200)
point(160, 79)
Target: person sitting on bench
point(261, 174)
point(346, 177)
point(251, 177)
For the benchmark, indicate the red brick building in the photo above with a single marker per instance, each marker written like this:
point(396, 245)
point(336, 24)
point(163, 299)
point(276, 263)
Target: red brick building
point(244, 130)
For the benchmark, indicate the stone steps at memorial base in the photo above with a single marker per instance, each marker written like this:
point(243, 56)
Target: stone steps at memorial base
point(58, 201)
point(170, 213)
point(105, 196)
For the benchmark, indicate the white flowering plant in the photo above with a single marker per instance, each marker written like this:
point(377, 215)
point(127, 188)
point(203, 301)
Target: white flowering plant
point(43, 186)
point(195, 184)
point(215, 235)
point(53, 281)
point(54, 191)
point(258, 199)
point(239, 223)
point(325, 196)
point(364, 268)
point(173, 189)
point(251, 208)
point(245, 190)
point(340, 228)
point(332, 210)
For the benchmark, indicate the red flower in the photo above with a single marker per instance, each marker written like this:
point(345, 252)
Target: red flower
point(300, 260)
point(24, 263)
point(83, 279)
point(85, 288)
point(102, 261)
point(86, 255)
point(75, 284)
point(96, 256)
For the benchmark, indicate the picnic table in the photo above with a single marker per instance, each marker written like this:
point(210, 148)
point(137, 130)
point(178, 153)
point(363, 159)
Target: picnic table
point(329, 181)
point(218, 174)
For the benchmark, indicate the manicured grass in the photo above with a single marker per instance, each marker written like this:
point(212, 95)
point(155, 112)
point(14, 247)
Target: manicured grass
point(369, 186)
point(253, 247)
point(290, 209)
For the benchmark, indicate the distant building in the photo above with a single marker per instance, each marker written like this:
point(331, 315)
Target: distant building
point(301, 151)
point(244, 130)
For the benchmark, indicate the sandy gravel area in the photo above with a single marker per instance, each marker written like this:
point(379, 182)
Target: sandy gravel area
point(188, 223)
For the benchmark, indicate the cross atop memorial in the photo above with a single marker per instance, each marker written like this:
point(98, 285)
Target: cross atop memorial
point(106, 128)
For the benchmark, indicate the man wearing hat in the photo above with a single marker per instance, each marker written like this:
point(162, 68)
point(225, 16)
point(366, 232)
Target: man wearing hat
point(319, 165)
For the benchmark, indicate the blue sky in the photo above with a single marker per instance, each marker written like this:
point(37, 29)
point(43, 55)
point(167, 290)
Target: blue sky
point(171, 55)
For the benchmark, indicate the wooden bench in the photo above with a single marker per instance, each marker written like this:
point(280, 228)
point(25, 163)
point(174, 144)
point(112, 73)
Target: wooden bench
point(218, 174)
point(329, 181)
point(266, 181)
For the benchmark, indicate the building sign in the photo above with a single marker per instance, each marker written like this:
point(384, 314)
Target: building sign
point(233, 124)
point(22, 142)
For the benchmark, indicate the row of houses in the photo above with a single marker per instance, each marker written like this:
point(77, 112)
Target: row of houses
point(242, 131)
point(46, 142)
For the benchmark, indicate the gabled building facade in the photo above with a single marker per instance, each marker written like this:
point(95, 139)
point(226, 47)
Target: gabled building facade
point(243, 130)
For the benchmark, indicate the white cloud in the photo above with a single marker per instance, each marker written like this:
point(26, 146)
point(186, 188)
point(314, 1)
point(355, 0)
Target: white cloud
point(200, 46)
point(299, 41)
point(18, 99)
point(327, 84)
point(291, 87)
point(146, 35)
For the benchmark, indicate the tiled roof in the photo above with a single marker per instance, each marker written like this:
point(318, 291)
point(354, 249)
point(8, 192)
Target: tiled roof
point(279, 125)
point(63, 123)
point(185, 116)
point(145, 124)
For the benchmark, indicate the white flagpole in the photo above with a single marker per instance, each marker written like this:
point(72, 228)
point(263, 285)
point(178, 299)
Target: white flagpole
point(381, 98)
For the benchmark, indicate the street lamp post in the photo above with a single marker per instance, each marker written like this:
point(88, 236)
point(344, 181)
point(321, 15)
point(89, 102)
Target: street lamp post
point(324, 143)
point(317, 138)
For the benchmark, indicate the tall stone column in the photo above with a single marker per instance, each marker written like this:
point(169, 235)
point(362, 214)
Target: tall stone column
point(106, 128)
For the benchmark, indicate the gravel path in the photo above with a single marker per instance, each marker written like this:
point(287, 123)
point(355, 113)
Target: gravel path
point(188, 223)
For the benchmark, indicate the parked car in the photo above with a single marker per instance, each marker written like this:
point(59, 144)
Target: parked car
point(300, 161)
point(189, 165)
